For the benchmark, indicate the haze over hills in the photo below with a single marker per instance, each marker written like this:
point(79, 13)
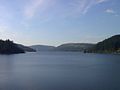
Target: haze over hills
point(42, 47)
point(9, 47)
point(110, 45)
point(56, 22)
point(74, 47)
point(63, 47)
point(26, 48)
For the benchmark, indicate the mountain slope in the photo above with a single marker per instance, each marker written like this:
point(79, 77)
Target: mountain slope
point(42, 47)
point(8, 47)
point(26, 48)
point(110, 45)
point(74, 47)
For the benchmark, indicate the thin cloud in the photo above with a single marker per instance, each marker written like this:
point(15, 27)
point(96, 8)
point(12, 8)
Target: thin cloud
point(101, 1)
point(83, 6)
point(78, 7)
point(111, 11)
point(32, 7)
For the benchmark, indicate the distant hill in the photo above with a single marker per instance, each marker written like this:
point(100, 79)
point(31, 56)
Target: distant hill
point(42, 47)
point(63, 47)
point(26, 48)
point(8, 47)
point(110, 45)
point(74, 47)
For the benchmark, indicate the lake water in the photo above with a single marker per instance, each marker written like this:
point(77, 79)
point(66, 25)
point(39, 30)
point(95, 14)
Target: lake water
point(59, 71)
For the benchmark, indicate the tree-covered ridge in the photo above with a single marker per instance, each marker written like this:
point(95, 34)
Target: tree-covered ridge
point(110, 45)
point(74, 47)
point(8, 47)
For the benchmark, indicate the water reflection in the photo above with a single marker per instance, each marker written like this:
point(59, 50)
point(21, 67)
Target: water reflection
point(59, 71)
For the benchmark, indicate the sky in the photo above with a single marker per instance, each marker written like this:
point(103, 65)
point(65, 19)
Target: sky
point(53, 22)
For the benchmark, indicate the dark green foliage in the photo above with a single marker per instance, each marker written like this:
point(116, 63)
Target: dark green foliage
point(110, 45)
point(8, 47)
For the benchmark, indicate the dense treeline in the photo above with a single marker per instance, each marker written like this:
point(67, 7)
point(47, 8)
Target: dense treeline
point(8, 47)
point(110, 45)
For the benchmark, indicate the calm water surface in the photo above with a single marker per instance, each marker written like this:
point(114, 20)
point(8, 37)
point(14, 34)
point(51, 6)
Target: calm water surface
point(59, 71)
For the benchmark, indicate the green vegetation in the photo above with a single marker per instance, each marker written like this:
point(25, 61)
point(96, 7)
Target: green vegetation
point(110, 45)
point(8, 47)
point(74, 47)
point(64, 47)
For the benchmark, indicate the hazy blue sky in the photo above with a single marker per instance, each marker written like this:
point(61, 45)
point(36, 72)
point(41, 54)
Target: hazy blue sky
point(54, 22)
